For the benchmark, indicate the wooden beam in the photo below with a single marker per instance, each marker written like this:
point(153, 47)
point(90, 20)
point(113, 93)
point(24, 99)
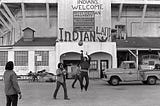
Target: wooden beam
point(9, 12)
point(47, 9)
point(23, 14)
point(1, 31)
point(5, 23)
point(135, 55)
point(143, 15)
point(120, 11)
point(1, 23)
point(4, 33)
point(7, 17)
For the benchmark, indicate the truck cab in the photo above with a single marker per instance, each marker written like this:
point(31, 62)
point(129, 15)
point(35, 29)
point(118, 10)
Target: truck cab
point(129, 71)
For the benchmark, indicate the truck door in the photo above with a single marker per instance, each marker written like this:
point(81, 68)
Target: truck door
point(131, 73)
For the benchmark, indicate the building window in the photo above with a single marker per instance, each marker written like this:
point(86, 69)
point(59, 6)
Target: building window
point(121, 32)
point(94, 64)
point(41, 58)
point(21, 58)
point(3, 58)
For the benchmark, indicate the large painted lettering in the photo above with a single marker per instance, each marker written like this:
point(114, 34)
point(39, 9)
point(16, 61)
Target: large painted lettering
point(87, 5)
point(100, 35)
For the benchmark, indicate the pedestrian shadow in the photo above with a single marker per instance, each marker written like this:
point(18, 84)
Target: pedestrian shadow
point(128, 84)
point(136, 84)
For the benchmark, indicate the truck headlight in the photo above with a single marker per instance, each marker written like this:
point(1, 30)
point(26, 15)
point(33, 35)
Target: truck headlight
point(105, 76)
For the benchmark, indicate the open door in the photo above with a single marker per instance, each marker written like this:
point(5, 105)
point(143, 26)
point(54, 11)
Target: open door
point(103, 66)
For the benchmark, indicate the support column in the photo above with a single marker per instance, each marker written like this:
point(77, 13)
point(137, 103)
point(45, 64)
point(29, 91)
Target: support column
point(57, 56)
point(11, 55)
point(137, 58)
point(52, 62)
point(114, 57)
point(31, 61)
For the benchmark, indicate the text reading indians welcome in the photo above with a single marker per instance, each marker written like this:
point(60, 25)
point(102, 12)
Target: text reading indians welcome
point(88, 5)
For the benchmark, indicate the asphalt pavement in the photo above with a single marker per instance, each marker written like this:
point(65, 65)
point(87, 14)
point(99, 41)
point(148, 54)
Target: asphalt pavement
point(98, 94)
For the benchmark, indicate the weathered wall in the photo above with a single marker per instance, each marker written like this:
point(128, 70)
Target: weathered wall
point(36, 18)
point(132, 17)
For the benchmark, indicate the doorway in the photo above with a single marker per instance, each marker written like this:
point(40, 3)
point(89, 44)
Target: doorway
point(68, 64)
point(103, 66)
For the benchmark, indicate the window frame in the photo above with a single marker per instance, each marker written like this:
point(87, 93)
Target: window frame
point(95, 63)
point(45, 58)
point(3, 58)
point(22, 59)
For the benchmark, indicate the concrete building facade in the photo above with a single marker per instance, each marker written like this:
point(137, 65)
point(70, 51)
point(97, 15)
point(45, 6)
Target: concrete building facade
point(109, 30)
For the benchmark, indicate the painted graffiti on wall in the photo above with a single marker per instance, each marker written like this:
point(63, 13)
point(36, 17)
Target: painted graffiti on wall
point(85, 20)
point(99, 35)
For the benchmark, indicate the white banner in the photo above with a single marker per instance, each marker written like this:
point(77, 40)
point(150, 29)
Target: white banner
point(84, 20)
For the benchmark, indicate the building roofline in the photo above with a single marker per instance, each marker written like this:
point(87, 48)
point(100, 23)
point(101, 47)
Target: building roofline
point(126, 49)
point(43, 42)
point(155, 2)
point(29, 1)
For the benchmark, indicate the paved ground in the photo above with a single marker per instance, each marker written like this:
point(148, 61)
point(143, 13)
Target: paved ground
point(99, 94)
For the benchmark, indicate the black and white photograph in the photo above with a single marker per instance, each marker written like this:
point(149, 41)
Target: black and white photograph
point(79, 52)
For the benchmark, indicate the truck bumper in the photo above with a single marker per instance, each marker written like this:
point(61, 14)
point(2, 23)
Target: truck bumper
point(105, 79)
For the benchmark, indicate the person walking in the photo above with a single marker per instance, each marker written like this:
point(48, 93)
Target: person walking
point(61, 81)
point(77, 76)
point(85, 64)
point(12, 89)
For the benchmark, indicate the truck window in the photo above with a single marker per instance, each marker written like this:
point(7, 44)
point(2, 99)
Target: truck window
point(124, 65)
point(151, 62)
point(132, 65)
point(157, 66)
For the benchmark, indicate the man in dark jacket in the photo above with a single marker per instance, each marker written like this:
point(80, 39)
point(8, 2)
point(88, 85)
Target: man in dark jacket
point(85, 64)
point(77, 76)
point(12, 89)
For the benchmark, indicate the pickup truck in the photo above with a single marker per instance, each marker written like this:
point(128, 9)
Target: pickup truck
point(128, 72)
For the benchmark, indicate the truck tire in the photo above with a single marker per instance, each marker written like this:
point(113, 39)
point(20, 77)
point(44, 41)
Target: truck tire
point(114, 81)
point(151, 80)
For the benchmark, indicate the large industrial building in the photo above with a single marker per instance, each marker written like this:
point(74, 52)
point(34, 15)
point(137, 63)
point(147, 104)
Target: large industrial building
point(37, 34)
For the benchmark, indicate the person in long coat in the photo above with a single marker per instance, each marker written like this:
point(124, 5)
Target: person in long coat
point(12, 89)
